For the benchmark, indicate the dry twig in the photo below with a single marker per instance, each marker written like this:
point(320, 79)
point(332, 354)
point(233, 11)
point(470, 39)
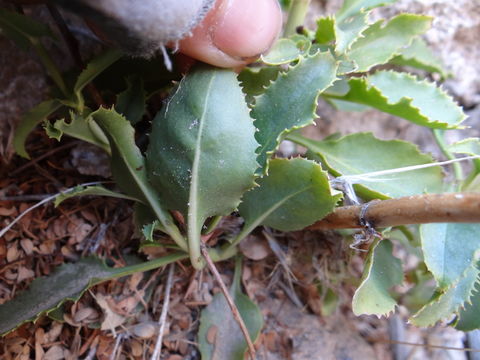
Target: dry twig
point(418, 209)
point(231, 303)
point(163, 316)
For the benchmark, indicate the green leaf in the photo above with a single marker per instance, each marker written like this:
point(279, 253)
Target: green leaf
point(469, 146)
point(219, 335)
point(402, 95)
point(79, 127)
point(201, 156)
point(469, 316)
point(380, 43)
point(382, 272)
point(325, 33)
point(353, 7)
point(22, 29)
point(362, 153)
point(131, 102)
point(450, 302)
point(290, 102)
point(419, 55)
point(293, 195)
point(68, 282)
point(449, 249)
point(92, 191)
point(128, 167)
point(28, 122)
point(93, 69)
point(284, 51)
point(254, 81)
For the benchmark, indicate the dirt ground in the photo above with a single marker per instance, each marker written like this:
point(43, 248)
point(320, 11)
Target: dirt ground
point(119, 319)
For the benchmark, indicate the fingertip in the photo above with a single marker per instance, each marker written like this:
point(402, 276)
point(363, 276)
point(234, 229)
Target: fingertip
point(235, 32)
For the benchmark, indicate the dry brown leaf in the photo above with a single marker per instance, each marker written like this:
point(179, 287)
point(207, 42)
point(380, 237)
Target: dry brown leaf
point(56, 352)
point(7, 212)
point(24, 273)
point(255, 248)
point(111, 319)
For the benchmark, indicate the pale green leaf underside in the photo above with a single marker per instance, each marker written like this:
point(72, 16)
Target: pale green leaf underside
point(382, 272)
point(420, 56)
point(293, 195)
point(68, 282)
point(448, 303)
point(470, 146)
point(290, 101)
point(379, 43)
point(403, 95)
point(90, 191)
point(350, 30)
point(449, 250)
point(284, 51)
point(228, 342)
point(362, 153)
point(28, 122)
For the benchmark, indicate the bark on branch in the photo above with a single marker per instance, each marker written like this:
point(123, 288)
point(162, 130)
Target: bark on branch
point(419, 209)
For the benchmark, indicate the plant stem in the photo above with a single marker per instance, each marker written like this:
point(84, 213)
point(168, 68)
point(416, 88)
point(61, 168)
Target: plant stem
point(296, 16)
point(49, 66)
point(213, 224)
point(439, 138)
point(231, 303)
point(146, 266)
point(163, 316)
point(419, 209)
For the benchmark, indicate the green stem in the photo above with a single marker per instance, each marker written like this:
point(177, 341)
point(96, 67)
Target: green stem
point(146, 266)
point(49, 66)
point(457, 168)
point(194, 241)
point(296, 16)
point(213, 224)
point(297, 139)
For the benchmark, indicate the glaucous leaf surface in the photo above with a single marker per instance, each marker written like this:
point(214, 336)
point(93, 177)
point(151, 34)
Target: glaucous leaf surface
point(449, 249)
point(68, 282)
point(403, 95)
point(293, 195)
point(290, 102)
point(219, 335)
point(379, 43)
point(382, 271)
point(201, 157)
point(419, 55)
point(29, 120)
point(449, 302)
point(362, 153)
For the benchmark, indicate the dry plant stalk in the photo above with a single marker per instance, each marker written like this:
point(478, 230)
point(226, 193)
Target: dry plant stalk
point(418, 209)
point(231, 303)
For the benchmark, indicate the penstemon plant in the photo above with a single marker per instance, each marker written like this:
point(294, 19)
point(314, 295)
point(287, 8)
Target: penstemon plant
point(212, 151)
